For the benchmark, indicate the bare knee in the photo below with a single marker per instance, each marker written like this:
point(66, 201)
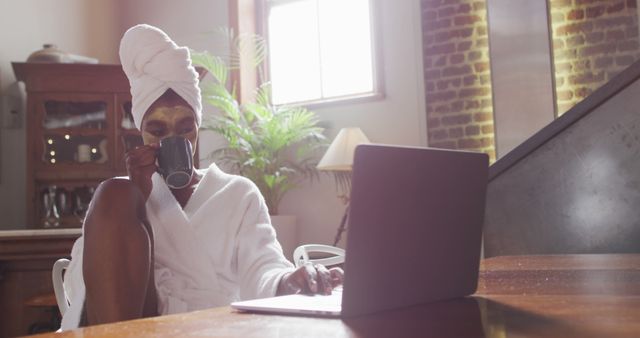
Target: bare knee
point(116, 203)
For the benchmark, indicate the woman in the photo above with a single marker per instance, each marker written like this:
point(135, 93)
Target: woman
point(147, 249)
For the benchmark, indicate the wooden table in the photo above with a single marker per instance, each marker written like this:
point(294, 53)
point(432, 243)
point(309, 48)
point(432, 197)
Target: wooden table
point(519, 296)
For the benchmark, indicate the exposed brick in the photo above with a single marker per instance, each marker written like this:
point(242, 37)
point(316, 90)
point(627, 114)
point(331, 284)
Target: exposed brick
point(456, 59)
point(456, 82)
point(617, 7)
point(632, 4)
point(444, 145)
point(442, 109)
point(480, 67)
point(482, 117)
point(473, 104)
point(484, 42)
point(603, 48)
point(464, 8)
point(557, 17)
point(429, 15)
point(486, 141)
point(472, 130)
point(466, 20)
point(575, 41)
point(457, 106)
point(440, 49)
point(485, 79)
point(573, 28)
point(469, 143)
point(566, 54)
point(441, 96)
point(456, 71)
point(440, 61)
point(564, 95)
point(433, 122)
point(479, 6)
point(560, 3)
point(437, 24)
point(631, 32)
point(615, 35)
point(594, 37)
point(558, 44)
point(470, 80)
point(608, 23)
point(456, 119)
point(563, 67)
point(430, 86)
point(604, 62)
point(443, 84)
point(438, 134)
point(582, 92)
point(596, 11)
point(446, 12)
point(625, 60)
point(576, 14)
point(564, 107)
point(456, 132)
point(474, 55)
point(486, 103)
point(626, 46)
point(582, 65)
point(560, 81)
point(487, 129)
point(464, 46)
point(478, 91)
point(586, 78)
point(433, 74)
point(481, 30)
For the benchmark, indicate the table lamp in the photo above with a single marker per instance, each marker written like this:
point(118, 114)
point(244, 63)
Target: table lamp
point(339, 160)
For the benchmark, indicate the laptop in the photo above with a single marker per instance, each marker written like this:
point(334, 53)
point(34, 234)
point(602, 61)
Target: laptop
point(414, 233)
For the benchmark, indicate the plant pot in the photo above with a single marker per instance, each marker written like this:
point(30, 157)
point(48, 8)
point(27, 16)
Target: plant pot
point(286, 233)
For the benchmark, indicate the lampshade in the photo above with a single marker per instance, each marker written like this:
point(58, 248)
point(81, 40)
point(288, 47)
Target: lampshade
point(339, 156)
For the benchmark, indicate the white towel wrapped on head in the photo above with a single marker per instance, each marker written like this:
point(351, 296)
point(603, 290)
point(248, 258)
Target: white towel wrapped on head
point(154, 63)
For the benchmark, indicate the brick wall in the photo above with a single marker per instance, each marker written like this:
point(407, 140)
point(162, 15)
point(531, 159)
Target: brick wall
point(457, 75)
point(593, 40)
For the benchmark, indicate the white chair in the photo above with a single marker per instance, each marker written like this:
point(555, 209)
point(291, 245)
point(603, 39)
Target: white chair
point(58, 288)
point(301, 254)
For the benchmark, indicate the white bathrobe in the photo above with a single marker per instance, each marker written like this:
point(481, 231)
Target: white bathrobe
point(220, 248)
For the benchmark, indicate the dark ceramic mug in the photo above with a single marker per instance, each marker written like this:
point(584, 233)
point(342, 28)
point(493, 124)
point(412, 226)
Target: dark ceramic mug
point(175, 161)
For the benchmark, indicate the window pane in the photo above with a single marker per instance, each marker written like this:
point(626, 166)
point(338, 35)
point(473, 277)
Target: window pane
point(345, 47)
point(294, 55)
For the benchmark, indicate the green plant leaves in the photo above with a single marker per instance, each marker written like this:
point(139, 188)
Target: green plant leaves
point(274, 146)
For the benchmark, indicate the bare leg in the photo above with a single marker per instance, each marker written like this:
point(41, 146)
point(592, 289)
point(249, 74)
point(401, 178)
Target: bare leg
point(118, 255)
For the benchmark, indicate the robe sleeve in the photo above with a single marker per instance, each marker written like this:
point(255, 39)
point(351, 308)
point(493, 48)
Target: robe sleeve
point(260, 261)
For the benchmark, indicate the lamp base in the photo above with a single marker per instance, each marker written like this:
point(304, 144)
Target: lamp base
point(342, 227)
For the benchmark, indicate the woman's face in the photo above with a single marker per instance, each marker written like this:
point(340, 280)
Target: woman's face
point(170, 120)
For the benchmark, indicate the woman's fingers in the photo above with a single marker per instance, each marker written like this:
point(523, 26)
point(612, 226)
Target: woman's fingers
point(337, 276)
point(324, 279)
point(310, 277)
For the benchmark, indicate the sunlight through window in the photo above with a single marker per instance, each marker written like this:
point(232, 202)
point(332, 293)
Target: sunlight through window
point(320, 49)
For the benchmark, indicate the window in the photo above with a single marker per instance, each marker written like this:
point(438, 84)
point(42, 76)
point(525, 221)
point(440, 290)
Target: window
point(320, 50)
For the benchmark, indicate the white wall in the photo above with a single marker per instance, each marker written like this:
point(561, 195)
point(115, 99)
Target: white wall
point(76, 26)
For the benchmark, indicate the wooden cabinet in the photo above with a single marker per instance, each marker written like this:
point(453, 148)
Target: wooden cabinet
point(26, 259)
point(79, 126)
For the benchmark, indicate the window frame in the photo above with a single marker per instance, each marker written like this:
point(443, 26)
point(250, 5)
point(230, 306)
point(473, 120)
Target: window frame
point(377, 71)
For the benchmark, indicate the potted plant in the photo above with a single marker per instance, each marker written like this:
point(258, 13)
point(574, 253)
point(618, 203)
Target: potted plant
point(275, 146)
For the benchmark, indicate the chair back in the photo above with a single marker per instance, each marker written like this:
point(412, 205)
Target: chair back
point(301, 254)
point(58, 287)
